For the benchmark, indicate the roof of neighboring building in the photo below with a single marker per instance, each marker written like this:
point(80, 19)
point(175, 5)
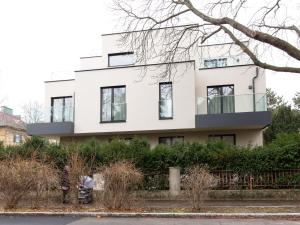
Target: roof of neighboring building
point(11, 121)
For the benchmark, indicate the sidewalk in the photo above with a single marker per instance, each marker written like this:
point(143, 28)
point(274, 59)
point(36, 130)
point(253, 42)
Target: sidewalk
point(172, 208)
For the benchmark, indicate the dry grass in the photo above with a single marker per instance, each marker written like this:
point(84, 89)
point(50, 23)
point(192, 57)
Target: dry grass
point(120, 181)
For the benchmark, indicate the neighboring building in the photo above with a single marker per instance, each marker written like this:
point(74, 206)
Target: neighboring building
point(12, 128)
point(219, 94)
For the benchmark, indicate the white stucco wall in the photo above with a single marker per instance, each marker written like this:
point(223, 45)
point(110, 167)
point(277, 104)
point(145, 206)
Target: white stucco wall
point(58, 89)
point(142, 98)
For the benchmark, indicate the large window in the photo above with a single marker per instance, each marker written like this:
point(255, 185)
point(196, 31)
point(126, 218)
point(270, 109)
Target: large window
point(171, 140)
point(165, 100)
point(113, 104)
point(220, 99)
point(213, 63)
point(228, 138)
point(121, 59)
point(62, 109)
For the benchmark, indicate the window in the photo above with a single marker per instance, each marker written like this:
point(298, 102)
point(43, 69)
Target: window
point(170, 140)
point(121, 59)
point(165, 100)
point(62, 109)
point(220, 99)
point(228, 138)
point(113, 104)
point(213, 63)
point(18, 138)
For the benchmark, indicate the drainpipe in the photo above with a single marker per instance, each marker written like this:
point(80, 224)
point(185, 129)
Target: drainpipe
point(253, 88)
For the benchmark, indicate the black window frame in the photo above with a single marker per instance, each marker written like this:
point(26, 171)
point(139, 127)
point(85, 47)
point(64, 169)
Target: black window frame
point(223, 135)
point(221, 94)
point(119, 53)
point(112, 98)
point(169, 137)
point(64, 104)
point(160, 117)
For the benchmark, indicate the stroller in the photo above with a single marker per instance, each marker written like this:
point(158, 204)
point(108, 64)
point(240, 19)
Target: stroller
point(85, 190)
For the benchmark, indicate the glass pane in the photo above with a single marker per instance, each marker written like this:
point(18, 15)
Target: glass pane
point(229, 139)
point(57, 110)
point(214, 100)
point(106, 104)
point(68, 109)
point(121, 59)
point(165, 140)
point(119, 106)
point(228, 99)
point(166, 102)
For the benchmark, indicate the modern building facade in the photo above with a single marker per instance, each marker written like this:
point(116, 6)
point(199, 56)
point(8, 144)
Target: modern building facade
point(12, 128)
point(217, 93)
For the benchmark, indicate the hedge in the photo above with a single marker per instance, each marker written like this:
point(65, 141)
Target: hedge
point(282, 153)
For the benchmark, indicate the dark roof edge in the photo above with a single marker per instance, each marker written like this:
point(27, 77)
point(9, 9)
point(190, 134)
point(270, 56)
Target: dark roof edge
point(124, 32)
point(94, 56)
point(133, 66)
point(52, 81)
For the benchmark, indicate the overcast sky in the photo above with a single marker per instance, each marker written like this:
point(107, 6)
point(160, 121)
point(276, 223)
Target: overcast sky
point(44, 39)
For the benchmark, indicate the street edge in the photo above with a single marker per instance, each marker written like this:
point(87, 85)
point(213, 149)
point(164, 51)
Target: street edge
point(156, 215)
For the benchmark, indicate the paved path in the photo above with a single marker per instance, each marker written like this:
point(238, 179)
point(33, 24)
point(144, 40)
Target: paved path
point(27, 220)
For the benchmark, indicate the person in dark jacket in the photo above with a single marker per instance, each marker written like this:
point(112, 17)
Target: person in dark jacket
point(65, 183)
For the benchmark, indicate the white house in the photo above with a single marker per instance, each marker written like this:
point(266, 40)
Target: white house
point(217, 93)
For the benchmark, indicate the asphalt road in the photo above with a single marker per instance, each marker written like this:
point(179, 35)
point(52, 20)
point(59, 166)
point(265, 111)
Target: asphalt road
point(44, 220)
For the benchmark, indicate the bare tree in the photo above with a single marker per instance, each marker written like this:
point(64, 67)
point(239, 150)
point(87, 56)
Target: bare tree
point(261, 29)
point(32, 112)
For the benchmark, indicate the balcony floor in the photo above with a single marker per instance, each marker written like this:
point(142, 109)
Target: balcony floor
point(49, 129)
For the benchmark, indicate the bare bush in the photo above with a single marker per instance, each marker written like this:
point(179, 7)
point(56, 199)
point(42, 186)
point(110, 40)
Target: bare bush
point(78, 167)
point(197, 182)
point(19, 177)
point(120, 181)
point(46, 179)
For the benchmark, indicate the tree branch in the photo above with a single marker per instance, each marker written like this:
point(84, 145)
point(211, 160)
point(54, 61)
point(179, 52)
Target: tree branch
point(255, 60)
point(256, 35)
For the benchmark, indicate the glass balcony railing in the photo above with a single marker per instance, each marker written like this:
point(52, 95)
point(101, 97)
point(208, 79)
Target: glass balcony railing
point(225, 61)
point(231, 104)
point(111, 112)
point(56, 114)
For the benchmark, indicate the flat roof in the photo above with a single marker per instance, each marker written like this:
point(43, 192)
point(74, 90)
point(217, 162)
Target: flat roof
point(133, 66)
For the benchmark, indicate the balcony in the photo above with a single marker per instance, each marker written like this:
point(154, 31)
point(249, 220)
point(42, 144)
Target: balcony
point(55, 121)
point(226, 61)
point(233, 112)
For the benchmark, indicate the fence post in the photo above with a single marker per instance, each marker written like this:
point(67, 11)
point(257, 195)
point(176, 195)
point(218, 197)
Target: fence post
point(174, 181)
point(251, 179)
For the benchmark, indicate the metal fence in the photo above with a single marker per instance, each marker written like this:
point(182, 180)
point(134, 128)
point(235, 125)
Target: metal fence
point(231, 180)
point(228, 179)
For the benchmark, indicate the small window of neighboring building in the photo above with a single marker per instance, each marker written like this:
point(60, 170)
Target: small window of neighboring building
point(18, 138)
point(213, 63)
point(228, 138)
point(171, 140)
point(165, 100)
point(121, 59)
point(113, 104)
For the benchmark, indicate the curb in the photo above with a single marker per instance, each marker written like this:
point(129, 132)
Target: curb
point(157, 215)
